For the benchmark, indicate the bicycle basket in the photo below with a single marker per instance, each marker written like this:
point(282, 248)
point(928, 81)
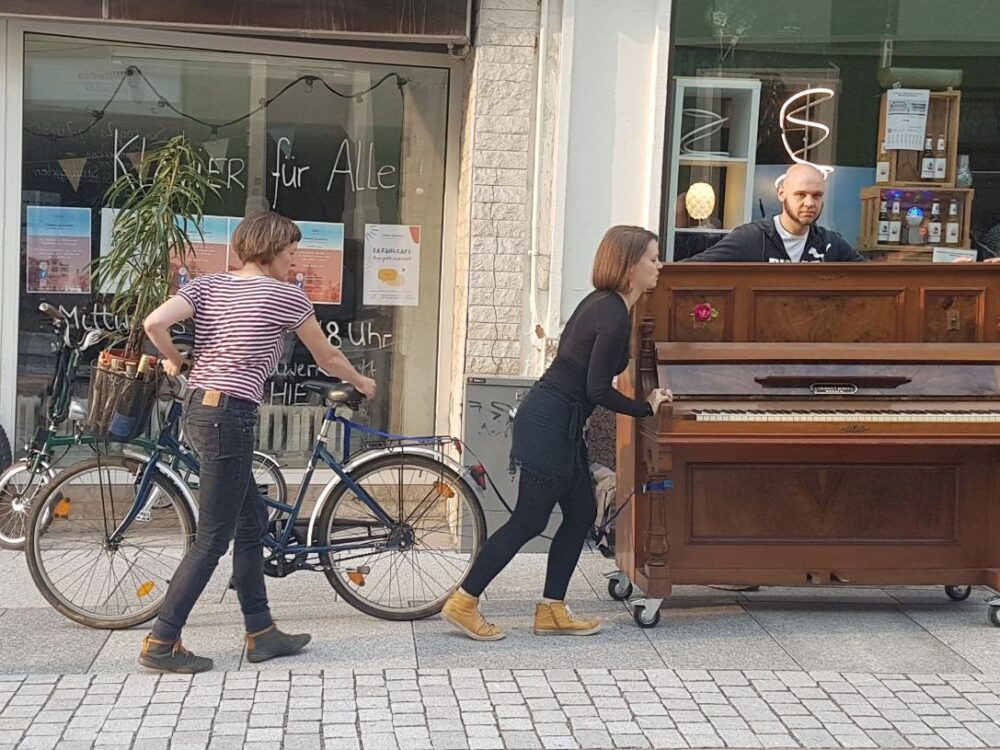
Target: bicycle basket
point(120, 404)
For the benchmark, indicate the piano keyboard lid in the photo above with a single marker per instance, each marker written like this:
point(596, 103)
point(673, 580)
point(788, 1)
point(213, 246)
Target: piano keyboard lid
point(753, 370)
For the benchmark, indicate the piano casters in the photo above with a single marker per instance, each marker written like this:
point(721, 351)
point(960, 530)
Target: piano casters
point(646, 609)
point(619, 586)
point(958, 593)
point(994, 611)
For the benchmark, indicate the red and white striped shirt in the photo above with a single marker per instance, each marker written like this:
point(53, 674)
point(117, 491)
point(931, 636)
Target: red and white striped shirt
point(240, 328)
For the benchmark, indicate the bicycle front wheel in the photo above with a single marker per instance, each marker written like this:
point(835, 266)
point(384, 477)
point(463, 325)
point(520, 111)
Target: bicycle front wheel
point(79, 569)
point(19, 488)
point(406, 570)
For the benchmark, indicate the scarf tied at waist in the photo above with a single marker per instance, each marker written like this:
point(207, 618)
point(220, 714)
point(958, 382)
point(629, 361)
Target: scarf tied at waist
point(547, 436)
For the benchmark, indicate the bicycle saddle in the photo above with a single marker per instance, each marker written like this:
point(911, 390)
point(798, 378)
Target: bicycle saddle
point(333, 393)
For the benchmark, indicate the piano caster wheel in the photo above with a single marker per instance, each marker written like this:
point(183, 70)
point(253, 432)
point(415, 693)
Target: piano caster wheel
point(958, 593)
point(994, 615)
point(644, 618)
point(619, 587)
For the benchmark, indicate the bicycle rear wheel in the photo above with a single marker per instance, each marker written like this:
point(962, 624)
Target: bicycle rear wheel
point(78, 570)
point(407, 571)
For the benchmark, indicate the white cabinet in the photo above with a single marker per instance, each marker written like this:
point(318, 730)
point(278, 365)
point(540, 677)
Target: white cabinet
point(712, 158)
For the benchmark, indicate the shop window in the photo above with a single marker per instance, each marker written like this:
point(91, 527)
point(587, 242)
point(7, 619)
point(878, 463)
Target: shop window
point(354, 152)
point(847, 53)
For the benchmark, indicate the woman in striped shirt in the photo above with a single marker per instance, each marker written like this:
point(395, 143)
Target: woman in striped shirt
point(241, 319)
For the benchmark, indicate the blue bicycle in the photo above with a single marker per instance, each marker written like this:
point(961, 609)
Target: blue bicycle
point(395, 530)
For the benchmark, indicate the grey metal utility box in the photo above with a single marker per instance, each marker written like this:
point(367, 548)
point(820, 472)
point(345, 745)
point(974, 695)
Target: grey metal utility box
point(490, 403)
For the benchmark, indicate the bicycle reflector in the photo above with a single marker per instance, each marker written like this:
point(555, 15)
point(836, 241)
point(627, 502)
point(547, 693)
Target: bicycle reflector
point(444, 489)
point(145, 589)
point(63, 507)
point(479, 474)
point(357, 575)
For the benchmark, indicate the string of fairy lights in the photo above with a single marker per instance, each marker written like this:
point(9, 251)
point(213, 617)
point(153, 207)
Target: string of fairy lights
point(134, 73)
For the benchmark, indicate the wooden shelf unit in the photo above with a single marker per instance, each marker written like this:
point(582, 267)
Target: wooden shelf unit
point(942, 118)
point(921, 196)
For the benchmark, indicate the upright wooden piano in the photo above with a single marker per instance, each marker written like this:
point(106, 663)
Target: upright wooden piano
point(832, 425)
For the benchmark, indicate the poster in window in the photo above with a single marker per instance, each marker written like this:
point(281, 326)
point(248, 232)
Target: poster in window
point(207, 254)
point(58, 250)
point(392, 265)
point(318, 268)
point(906, 118)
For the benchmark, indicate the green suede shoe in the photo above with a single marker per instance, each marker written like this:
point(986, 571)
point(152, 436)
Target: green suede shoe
point(164, 656)
point(270, 643)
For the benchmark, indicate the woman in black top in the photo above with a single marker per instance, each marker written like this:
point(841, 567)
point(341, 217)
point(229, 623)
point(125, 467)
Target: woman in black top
point(548, 444)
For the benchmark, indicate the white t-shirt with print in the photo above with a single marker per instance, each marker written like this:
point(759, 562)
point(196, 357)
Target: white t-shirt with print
point(795, 244)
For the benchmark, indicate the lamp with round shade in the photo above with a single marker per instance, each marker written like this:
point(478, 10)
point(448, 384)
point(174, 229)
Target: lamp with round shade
point(700, 201)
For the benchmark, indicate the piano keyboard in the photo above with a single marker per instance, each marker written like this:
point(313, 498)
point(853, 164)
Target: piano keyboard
point(845, 415)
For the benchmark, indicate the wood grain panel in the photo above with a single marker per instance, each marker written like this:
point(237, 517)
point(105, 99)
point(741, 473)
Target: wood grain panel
point(846, 504)
point(953, 316)
point(870, 316)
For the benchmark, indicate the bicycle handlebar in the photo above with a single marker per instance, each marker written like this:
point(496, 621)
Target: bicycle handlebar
point(52, 312)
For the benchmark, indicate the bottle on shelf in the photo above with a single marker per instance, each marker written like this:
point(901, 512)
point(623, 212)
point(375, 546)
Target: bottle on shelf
point(882, 165)
point(934, 225)
point(927, 160)
point(883, 222)
point(953, 226)
point(940, 160)
point(895, 223)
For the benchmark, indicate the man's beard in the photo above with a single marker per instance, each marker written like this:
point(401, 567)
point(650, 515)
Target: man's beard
point(807, 222)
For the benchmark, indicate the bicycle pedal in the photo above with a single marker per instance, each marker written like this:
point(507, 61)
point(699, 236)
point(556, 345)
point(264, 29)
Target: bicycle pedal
point(144, 516)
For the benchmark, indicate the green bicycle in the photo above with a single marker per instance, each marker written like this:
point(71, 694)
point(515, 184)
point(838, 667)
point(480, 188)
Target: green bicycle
point(22, 483)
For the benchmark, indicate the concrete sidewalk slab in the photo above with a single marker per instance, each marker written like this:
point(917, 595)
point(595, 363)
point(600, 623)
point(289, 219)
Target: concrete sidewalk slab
point(855, 638)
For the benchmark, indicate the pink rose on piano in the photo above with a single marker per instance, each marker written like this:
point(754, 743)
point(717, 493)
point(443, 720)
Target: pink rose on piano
point(704, 312)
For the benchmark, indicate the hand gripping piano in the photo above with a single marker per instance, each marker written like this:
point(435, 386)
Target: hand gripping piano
point(832, 425)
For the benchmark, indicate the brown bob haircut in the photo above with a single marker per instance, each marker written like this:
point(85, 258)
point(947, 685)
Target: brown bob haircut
point(261, 236)
point(620, 249)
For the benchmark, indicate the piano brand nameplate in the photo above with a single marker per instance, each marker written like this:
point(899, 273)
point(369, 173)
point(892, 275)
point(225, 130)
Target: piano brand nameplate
point(832, 389)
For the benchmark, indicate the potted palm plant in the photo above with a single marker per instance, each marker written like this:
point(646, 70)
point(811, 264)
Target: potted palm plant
point(157, 206)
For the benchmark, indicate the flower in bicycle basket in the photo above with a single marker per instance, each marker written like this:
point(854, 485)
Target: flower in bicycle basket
point(704, 312)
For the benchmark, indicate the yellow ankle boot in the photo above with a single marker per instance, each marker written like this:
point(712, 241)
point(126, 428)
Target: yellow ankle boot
point(462, 611)
point(555, 618)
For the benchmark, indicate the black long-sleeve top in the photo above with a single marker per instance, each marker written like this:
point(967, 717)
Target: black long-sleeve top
point(593, 349)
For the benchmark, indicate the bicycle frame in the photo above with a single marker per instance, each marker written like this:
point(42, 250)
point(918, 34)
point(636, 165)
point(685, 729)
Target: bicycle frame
point(166, 444)
point(283, 543)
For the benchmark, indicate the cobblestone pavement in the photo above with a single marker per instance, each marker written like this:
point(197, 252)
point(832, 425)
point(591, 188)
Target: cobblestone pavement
point(522, 708)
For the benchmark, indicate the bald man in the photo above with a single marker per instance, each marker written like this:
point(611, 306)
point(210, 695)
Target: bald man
point(793, 236)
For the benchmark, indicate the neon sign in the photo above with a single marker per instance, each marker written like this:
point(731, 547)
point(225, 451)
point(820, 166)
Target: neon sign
point(791, 120)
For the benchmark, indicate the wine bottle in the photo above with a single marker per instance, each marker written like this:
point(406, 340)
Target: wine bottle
point(883, 222)
point(940, 160)
point(882, 165)
point(952, 227)
point(895, 223)
point(927, 160)
point(934, 225)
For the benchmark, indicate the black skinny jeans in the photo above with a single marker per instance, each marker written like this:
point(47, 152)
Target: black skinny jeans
point(548, 432)
point(228, 505)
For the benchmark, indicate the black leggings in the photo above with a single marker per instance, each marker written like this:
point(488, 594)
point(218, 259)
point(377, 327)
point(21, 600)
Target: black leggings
point(536, 497)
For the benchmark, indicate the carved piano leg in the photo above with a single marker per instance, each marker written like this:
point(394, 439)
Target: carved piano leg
point(657, 546)
point(654, 576)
